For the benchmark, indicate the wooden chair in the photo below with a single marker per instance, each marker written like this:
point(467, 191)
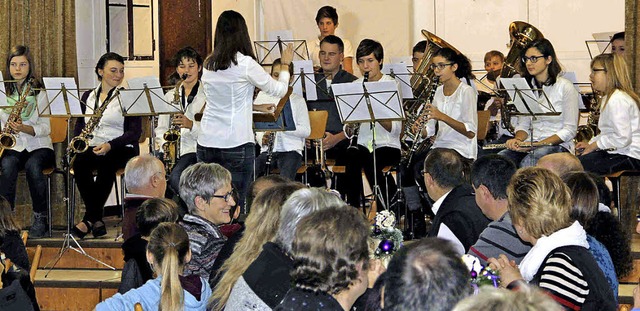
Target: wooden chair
point(484, 116)
point(58, 135)
point(24, 236)
point(35, 262)
point(615, 182)
point(318, 123)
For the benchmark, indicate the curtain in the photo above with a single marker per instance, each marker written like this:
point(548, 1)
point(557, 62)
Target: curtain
point(47, 27)
point(632, 40)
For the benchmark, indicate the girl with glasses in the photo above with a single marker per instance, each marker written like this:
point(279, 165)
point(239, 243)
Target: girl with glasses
point(617, 147)
point(539, 66)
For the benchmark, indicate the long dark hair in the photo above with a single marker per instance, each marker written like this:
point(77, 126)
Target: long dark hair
point(20, 50)
point(546, 49)
point(464, 65)
point(232, 36)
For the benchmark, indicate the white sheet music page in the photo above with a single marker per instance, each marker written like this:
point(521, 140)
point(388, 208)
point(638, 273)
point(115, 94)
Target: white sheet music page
point(385, 100)
point(525, 93)
point(308, 77)
point(3, 93)
point(286, 34)
point(56, 98)
point(134, 99)
point(350, 102)
point(402, 76)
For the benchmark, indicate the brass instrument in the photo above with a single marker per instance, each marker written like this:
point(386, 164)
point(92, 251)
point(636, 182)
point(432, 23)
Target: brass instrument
point(522, 145)
point(419, 144)
point(171, 145)
point(521, 34)
point(352, 130)
point(422, 80)
point(586, 132)
point(80, 143)
point(7, 136)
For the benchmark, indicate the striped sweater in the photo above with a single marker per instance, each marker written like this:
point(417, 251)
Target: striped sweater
point(500, 237)
point(206, 241)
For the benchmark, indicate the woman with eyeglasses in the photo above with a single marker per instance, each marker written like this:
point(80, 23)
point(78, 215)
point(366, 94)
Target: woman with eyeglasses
point(207, 191)
point(540, 67)
point(617, 146)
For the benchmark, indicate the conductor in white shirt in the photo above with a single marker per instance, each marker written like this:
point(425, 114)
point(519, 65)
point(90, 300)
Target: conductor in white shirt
point(231, 74)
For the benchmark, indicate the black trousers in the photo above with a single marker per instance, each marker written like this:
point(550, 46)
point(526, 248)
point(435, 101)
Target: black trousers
point(95, 191)
point(361, 158)
point(601, 162)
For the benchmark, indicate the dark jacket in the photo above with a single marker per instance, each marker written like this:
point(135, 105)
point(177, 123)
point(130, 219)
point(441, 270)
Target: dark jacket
point(269, 275)
point(326, 101)
point(11, 245)
point(462, 215)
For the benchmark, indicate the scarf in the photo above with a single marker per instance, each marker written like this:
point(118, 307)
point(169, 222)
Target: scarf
point(572, 235)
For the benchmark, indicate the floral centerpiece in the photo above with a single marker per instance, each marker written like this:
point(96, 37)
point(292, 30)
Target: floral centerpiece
point(480, 276)
point(384, 230)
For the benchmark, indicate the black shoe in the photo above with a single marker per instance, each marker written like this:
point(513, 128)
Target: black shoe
point(99, 229)
point(79, 233)
point(39, 226)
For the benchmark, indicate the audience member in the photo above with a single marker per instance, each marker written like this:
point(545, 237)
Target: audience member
point(330, 260)
point(168, 252)
point(561, 163)
point(10, 241)
point(267, 279)
point(458, 217)
point(490, 177)
point(207, 191)
point(426, 275)
point(527, 298)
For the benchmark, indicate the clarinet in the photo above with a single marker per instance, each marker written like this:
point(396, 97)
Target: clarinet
point(270, 142)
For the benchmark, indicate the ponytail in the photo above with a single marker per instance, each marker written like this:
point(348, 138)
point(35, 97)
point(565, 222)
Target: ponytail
point(169, 245)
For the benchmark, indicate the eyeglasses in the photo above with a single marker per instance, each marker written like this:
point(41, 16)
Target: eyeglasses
point(439, 66)
point(226, 196)
point(533, 59)
point(594, 70)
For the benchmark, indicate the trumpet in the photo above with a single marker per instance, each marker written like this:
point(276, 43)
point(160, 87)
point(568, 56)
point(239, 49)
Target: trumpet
point(7, 136)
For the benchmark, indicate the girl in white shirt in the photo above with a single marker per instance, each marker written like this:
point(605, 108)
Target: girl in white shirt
point(617, 147)
point(229, 79)
point(32, 151)
point(542, 71)
point(370, 56)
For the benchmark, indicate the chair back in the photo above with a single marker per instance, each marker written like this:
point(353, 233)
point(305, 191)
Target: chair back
point(318, 122)
point(484, 117)
point(58, 129)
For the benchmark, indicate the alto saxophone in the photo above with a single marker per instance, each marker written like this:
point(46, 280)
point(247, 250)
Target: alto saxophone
point(80, 143)
point(171, 146)
point(7, 136)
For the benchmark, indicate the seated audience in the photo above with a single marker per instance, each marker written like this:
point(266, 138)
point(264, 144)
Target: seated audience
point(10, 241)
point(490, 177)
point(150, 214)
point(207, 191)
point(559, 262)
point(458, 217)
point(426, 275)
point(267, 279)
point(330, 260)
point(145, 178)
point(560, 163)
point(527, 298)
point(261, 224)
point(168, 251)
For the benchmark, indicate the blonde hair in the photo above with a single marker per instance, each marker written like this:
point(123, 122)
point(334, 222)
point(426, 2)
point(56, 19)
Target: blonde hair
point(7, 221)
point(261, 226)
point(169, 245)
point(526, 298)
point(617, 75)
point(539, 201)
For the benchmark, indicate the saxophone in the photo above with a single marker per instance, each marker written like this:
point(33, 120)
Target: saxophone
point(80, 143)
point(352, 130)
point(171, 146)
point(420, 144)
point(7, 136)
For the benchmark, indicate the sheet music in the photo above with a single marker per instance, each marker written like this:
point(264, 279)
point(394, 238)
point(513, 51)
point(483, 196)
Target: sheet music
point(352, 104)
point(54, 93)
point(389, 104)
point(135, 101)
point(3, 93)
point(402, 76)
point(309, 79)
point(286, 34)
point(531, 99)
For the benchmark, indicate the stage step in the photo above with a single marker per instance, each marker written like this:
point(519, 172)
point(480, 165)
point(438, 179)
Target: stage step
point(75, 289)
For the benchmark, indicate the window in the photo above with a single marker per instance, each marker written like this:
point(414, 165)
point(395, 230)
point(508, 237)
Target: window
point(130, 28)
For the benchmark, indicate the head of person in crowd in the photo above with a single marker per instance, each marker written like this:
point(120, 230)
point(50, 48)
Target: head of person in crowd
point(153, 212)
point(331, 54)
point(7, 218)
point(327, 21)
point(231, 37)
point(331, 254)
point(617, 43)
point(417, 54)
point(493, 62)
point(490, 176)
point(262, 183)
point(425, 275)
point(539, 203)
point(444, 169)
point(526, 298)
point(369, 57)
point(561, 163)
point(207, 191)
point(261, 225)
point(584, 196)
point(145, 175)
point(300, 204)
point(167, 252)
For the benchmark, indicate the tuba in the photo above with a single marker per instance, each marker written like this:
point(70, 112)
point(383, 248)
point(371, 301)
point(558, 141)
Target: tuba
point(521, 34)
point(423, 79)
point(7, 136)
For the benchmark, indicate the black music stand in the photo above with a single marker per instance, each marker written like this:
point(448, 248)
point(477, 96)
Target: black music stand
point(265, 49)
point(66, 103)
point(369, 102)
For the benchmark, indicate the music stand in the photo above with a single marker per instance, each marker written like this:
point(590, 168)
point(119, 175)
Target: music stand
point(304, 79)
point(369, 102)
point(265, 49)
point(402, 75)
point(65, 103)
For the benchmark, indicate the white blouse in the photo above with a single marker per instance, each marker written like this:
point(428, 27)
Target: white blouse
point(30, 116)
point(111, 123)
point(619, 125)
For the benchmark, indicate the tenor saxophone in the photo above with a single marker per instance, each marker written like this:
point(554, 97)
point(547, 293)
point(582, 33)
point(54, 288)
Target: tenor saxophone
point(171, 146)
point(7, 136)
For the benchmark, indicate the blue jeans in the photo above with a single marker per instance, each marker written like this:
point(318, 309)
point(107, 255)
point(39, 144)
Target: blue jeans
point(238, 160)
point(288, 163)
point(183, 162)
point(33, 163)
point(526, 159)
